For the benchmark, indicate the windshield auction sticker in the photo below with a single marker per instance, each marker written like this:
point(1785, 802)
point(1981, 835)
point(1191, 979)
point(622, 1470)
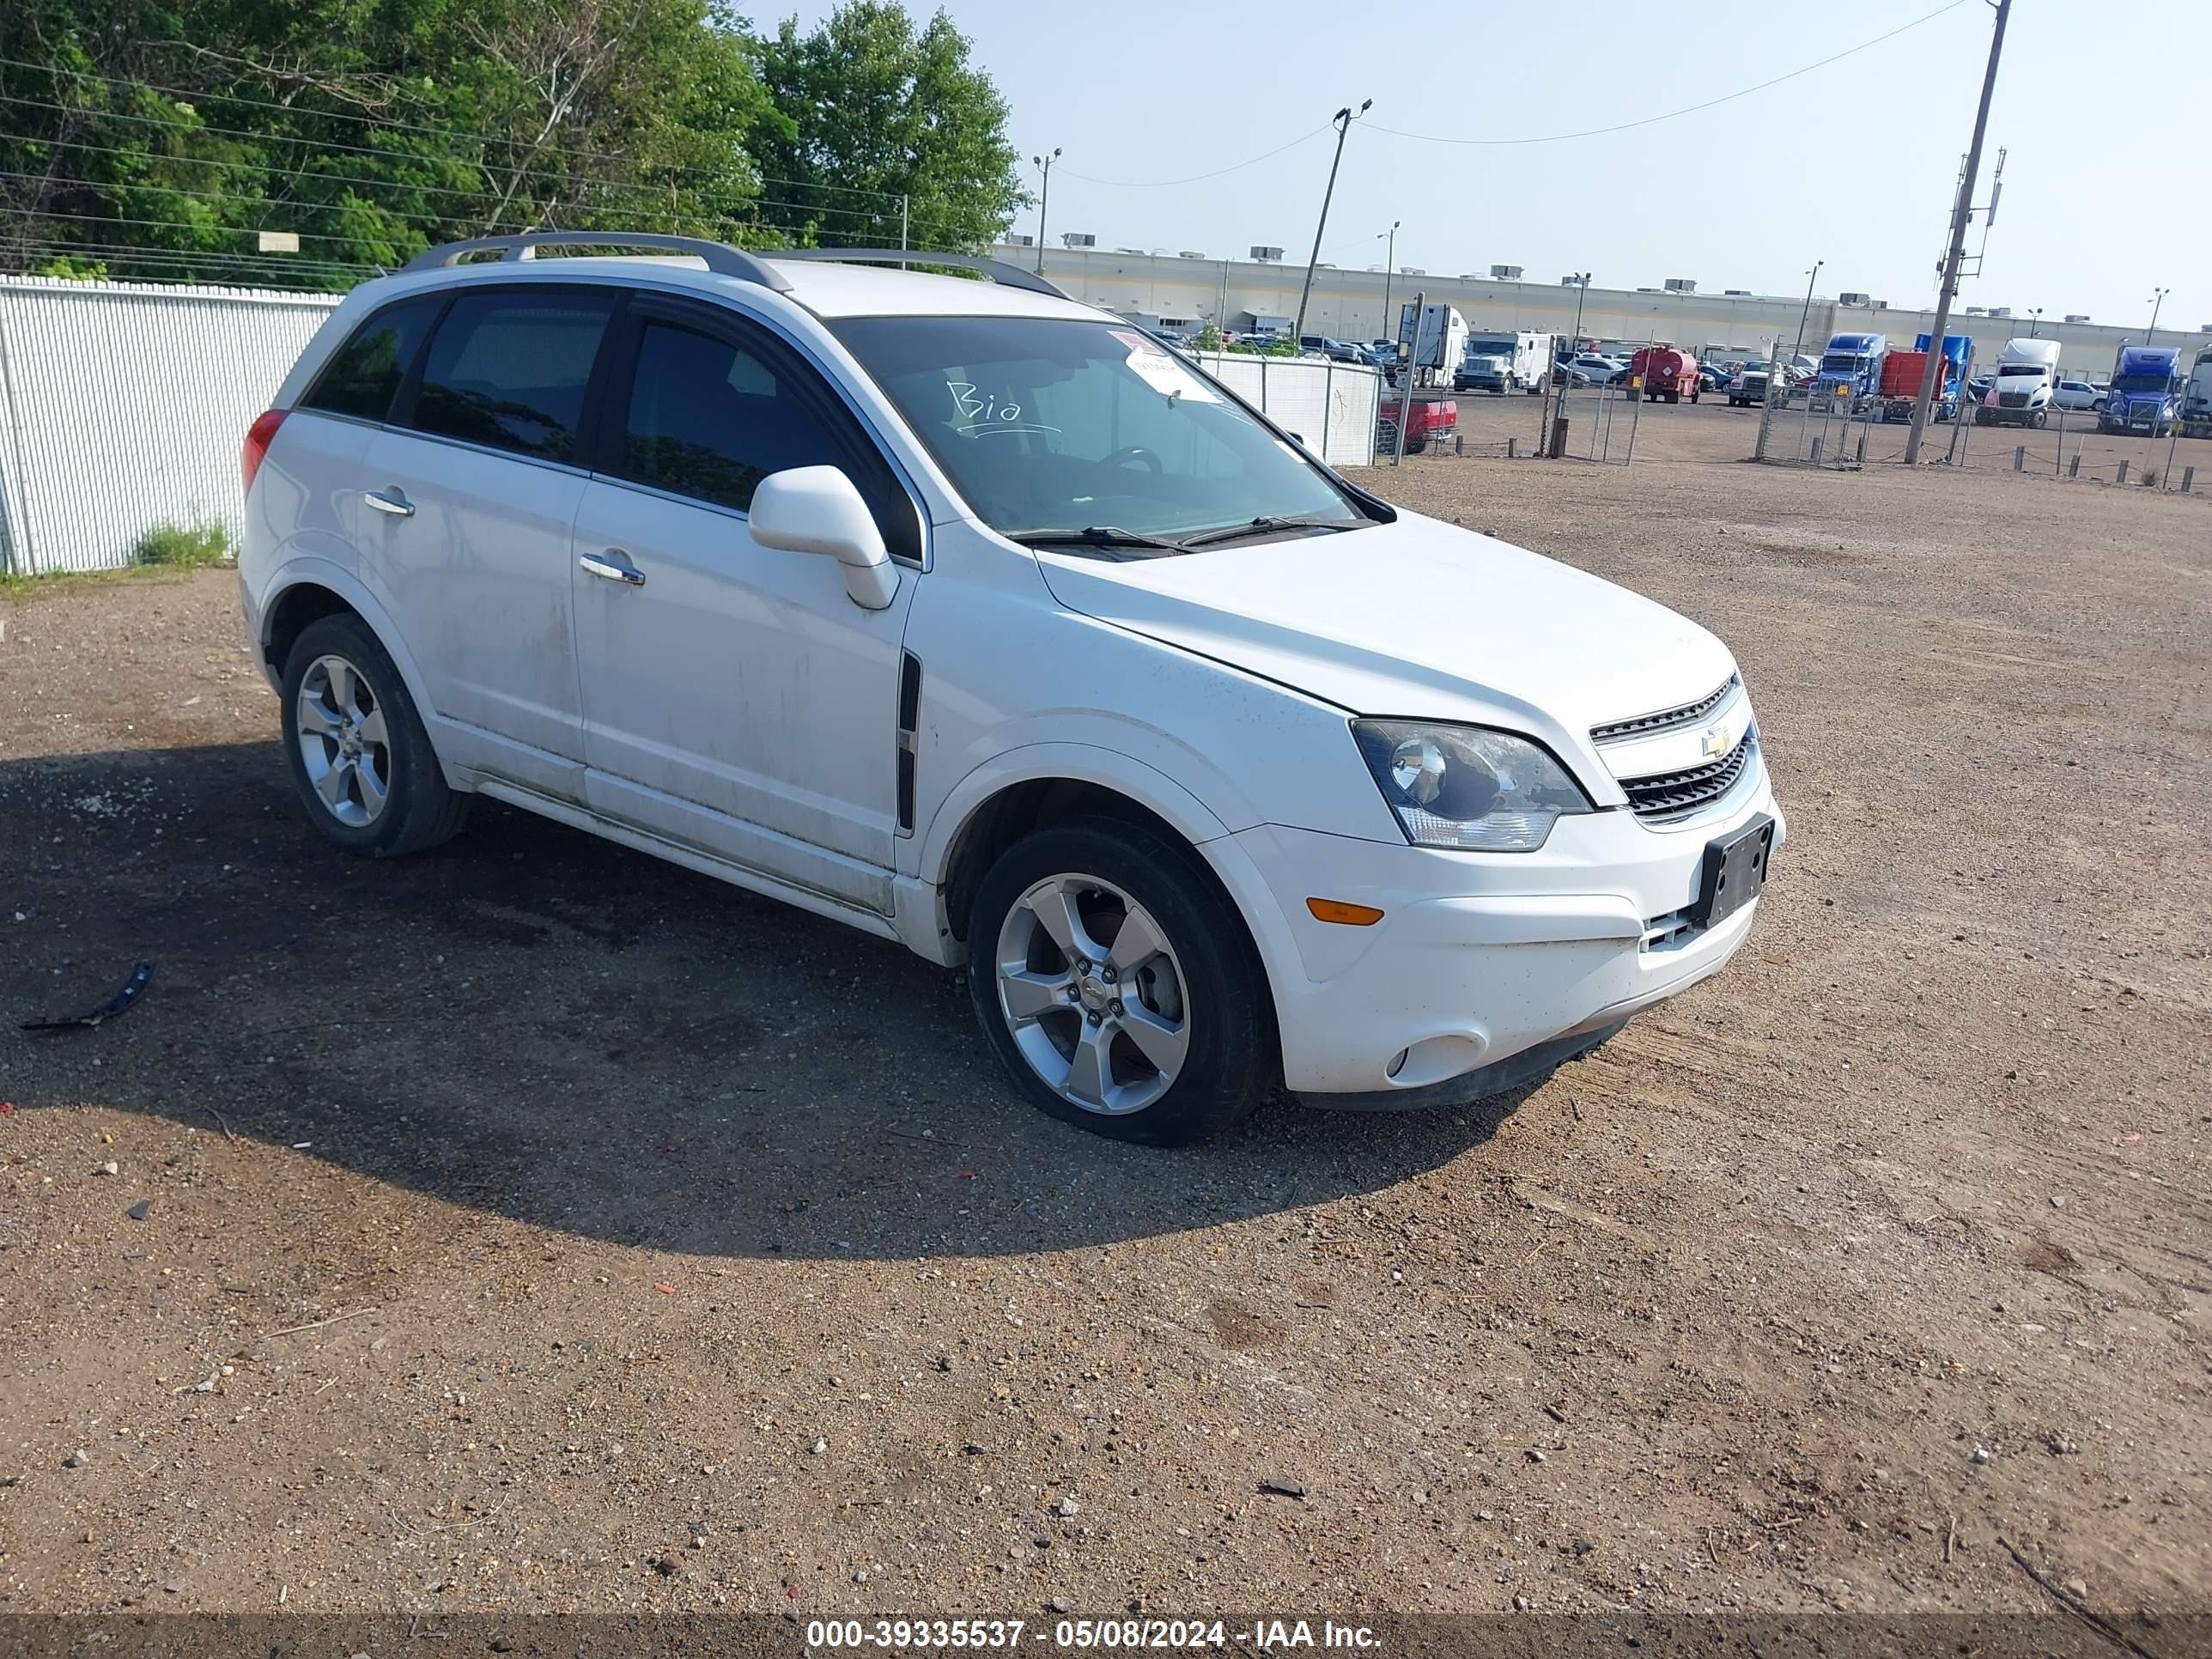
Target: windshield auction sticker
point(1159, 369)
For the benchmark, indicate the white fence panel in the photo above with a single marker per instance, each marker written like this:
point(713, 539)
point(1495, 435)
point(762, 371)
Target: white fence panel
point(121, 405)
point(1332, 405)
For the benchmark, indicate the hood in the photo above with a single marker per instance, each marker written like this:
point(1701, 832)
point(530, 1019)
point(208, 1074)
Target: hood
point(1418, 619)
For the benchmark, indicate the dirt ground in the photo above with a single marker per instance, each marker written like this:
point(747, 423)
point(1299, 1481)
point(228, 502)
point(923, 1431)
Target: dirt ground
point(533, 1226)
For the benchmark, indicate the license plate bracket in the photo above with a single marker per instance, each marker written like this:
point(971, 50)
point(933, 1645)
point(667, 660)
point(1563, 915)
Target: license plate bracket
point(1734, 872)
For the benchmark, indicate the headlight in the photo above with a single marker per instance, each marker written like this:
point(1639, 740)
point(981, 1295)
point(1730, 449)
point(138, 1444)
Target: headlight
point(1468, 787)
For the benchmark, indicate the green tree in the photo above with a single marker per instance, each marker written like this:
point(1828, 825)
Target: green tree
point(155, 140)
point(874, 110)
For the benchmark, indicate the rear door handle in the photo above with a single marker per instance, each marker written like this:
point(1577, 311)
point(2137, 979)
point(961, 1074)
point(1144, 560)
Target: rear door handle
point(392, 500)
point(613, 566)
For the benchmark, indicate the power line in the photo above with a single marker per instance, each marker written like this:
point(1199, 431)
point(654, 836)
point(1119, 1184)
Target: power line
point(657, 200)
point(1671, 115)
point(1237, 167)
point(375, 121)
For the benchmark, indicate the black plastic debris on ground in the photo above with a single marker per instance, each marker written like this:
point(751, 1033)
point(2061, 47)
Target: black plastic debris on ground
point(113, 1008)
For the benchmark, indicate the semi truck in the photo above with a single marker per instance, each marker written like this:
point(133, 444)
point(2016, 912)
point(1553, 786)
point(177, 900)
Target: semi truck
point(2020, 392)
point(2145, 392)
point(1499, 362)
point(2196, 397)
point(1849, 372)
point(1436, 336)
point(1903, 371)
point(1664, 374)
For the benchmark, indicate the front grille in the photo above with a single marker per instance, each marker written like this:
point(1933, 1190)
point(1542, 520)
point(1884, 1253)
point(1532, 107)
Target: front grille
point(1667, 718)
point(2013, 400)
point(1665, 797)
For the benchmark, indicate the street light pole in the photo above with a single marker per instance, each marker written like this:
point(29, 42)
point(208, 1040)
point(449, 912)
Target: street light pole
point(2035, 324)
point(1389, 264)
point(1962, 210)
point(2157, 300)
point(1044, 202)
point(1582, 293)
point(1343, 119)
point(1805, 315)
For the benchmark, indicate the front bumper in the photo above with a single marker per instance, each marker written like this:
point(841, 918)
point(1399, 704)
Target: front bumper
point(1482, 957)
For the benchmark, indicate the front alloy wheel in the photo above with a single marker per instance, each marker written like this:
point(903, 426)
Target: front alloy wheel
point(1093, 994)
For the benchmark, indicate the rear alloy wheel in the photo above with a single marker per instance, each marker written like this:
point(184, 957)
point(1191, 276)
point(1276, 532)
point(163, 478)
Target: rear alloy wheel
point(1116, 985)
point(363, 763)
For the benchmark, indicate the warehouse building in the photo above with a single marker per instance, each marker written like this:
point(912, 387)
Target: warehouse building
point(1348, 304)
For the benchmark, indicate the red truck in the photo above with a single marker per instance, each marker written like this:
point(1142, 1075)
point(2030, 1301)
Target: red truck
point(1665, 374)
point(1434, 420)
point(1901, 372)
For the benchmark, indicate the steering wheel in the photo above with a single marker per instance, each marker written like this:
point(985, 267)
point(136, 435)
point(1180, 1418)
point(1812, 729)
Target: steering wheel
point(1138, 453)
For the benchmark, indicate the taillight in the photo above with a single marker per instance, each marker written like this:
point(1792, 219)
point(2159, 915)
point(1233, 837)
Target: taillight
point(255, 446)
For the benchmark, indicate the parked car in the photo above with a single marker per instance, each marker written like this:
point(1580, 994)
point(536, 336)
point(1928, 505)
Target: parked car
point(1979, 387)
point(969, 616)
point(2078, 394)
point(1590, 369)
point(1715, 376)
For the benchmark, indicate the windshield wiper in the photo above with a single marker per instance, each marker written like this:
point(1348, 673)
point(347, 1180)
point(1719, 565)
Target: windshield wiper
point(1097, 535)
point(1264, 524)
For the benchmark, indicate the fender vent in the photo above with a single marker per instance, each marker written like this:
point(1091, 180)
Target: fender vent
point(909, 723)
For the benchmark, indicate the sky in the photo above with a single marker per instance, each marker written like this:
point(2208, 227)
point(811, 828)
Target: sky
point(2104, 199)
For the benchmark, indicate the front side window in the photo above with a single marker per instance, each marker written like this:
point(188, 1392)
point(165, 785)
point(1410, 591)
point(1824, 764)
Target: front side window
point(1048, 425)
point(709, 420)
point(509, 369)
point(364, 374)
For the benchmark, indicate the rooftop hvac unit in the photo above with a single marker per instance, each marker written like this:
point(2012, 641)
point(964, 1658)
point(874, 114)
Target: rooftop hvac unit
point(1852, 299)
point(1190, 254)
point(1267, 256)
point(1505, 273)
point(1023, 240)
point(2083, 316)
point(1881, 305)
point(1681, 285)
point(2000, 311)
point(1078, 239)
point(1411, 270)
point(1649, 290)
point(1570, 281)
point(1977, 311)
point(1736, 293)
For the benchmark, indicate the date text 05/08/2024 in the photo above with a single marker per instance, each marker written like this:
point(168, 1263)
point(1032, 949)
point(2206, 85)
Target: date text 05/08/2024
point(1109, 1635)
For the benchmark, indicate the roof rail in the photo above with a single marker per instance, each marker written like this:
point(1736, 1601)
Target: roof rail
point(1007, 275)
point(718, 256)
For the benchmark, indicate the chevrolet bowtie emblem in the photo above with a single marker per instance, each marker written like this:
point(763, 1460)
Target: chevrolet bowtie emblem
point(1717, 740)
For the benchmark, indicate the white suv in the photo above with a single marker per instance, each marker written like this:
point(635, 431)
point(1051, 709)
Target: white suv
point(972, 618)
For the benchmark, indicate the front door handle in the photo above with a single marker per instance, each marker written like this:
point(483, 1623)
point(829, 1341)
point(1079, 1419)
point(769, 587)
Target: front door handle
point(392, 500)
point(613, 566)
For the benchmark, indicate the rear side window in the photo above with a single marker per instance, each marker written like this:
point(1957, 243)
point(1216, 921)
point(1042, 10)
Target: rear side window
point(709, 420)
point(362, 377)
point(510, 369)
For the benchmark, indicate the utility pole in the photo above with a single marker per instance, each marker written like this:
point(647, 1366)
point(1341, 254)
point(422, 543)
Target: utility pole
point(2156, 301)
point(1044, 202)
point(1960, 211)
point(1389, 264)
point(1805, 315)
point(1343, 119)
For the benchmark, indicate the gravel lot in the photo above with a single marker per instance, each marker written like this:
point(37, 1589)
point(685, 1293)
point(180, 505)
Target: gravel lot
point(533, 1226)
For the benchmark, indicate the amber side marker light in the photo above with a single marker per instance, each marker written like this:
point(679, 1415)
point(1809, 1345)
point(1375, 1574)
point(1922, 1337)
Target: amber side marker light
point(1349, 915)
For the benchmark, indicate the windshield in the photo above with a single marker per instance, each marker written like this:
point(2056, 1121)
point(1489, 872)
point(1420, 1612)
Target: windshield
point(2022, 368)
point(1045, 424)
point(1480, 348)
point(1842, 362)
point(2144, 382)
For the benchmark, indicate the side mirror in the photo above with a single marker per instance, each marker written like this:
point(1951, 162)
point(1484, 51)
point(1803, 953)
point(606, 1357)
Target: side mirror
point(816, 509)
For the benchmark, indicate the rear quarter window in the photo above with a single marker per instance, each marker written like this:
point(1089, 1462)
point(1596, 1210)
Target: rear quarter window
point(363, 376)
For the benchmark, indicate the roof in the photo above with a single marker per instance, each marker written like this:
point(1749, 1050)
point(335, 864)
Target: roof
point(826, 288)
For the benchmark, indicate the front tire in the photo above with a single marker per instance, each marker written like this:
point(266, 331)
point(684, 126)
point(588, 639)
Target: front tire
point(365, 770)
point(1117, 985)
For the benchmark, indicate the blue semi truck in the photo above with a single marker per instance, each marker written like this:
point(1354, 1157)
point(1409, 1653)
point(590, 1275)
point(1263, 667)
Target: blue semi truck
point(1849, 372)
point(2145, 392)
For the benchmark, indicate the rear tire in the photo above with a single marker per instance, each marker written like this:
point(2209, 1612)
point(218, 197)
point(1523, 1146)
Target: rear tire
point(366, 774)
point(1190, 1048)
